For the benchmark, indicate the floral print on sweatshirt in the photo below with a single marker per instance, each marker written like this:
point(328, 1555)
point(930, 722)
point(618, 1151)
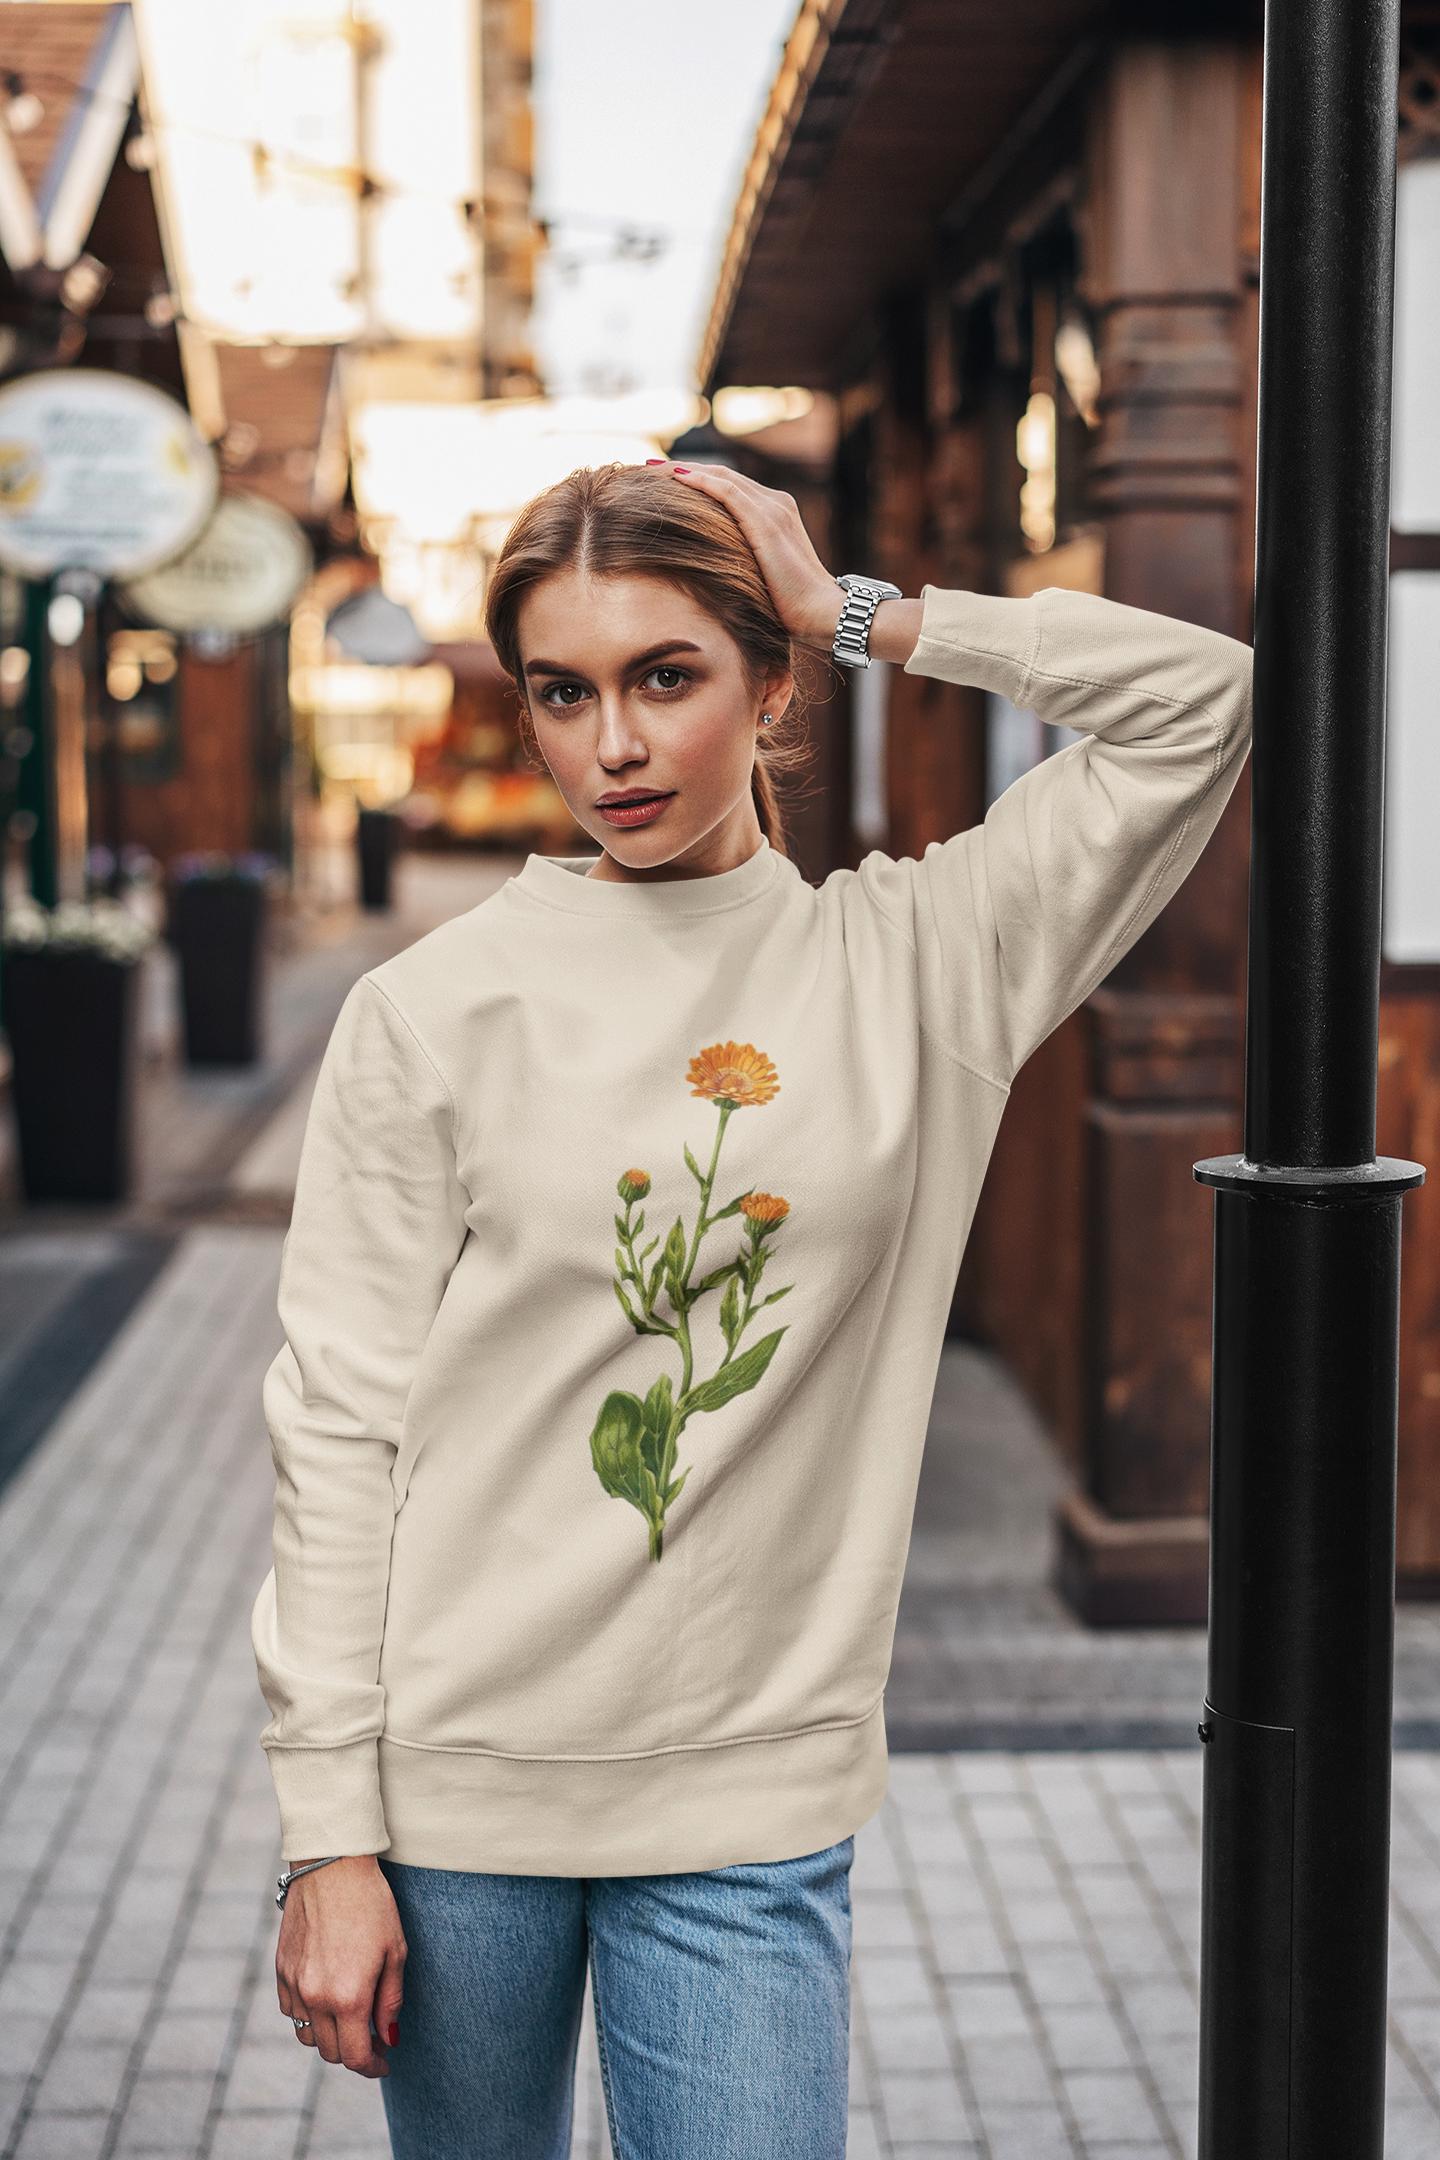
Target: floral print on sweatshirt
point(636, 1439)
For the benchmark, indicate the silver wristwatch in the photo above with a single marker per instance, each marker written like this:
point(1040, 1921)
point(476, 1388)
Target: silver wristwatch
point(852, 633)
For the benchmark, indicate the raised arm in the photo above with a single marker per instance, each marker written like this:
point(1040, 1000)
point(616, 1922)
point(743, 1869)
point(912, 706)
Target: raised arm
point(1016, 920)
point(377, 1226)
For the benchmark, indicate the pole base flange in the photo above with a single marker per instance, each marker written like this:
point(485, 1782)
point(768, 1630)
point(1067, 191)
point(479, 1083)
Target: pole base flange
point(1337, 1182)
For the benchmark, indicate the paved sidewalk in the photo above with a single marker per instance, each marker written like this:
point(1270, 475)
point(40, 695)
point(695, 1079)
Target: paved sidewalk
point(1024, 1981)
point(1026, 1922)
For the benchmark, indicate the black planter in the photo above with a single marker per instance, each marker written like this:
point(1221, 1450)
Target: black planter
point(377, 841)
point(217, 928)
point(72, 1018)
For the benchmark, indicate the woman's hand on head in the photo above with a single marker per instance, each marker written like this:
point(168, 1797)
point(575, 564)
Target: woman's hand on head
point(807, 598)
point(340, 1961)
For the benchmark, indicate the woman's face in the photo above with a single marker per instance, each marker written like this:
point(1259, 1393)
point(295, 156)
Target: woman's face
point(631, 685)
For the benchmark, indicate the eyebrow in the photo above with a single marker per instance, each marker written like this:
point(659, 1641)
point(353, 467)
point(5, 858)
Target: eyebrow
point(654, 652)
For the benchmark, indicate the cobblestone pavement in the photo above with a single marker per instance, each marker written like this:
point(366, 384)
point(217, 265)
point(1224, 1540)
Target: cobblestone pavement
point(1026, 1916)
point(1024, 1978)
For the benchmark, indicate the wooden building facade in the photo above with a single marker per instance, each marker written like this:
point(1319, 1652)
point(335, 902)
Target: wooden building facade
point(1020, 248)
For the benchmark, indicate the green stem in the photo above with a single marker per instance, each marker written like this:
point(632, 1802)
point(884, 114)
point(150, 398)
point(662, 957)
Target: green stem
point(702, 1221)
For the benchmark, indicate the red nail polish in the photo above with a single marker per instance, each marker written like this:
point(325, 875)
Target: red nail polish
point(654, 461)
point(682, 468)
point(394, 2034)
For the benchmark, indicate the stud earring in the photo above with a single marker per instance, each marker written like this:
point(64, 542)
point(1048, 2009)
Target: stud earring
point(766, 718)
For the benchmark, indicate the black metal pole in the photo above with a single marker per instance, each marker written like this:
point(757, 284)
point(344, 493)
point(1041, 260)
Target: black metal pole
point(107, 714)
point(1296, 1844)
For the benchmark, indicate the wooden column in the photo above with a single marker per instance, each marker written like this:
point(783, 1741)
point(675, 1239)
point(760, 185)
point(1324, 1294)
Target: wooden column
point(1164, 233)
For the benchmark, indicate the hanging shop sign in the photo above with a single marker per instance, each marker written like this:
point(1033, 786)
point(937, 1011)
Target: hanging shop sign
point(98, 472)
point(242, 573)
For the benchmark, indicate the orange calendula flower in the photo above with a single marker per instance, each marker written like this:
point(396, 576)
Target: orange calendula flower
point(733, 1072)
point(633, 1184)
point(764, 1209)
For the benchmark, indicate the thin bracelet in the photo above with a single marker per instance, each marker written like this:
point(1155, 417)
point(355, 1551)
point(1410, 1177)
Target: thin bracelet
point(283, 1882)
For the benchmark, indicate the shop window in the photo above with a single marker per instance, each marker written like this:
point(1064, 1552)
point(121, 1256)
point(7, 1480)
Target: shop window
point(1411, 898)
point(142, 683)
point(869, 797)
point(1412, 769)
point(1415, 490)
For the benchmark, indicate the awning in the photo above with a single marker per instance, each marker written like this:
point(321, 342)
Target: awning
point(882, 111)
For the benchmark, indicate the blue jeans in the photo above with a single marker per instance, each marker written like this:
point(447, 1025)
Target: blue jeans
point(722, 2011)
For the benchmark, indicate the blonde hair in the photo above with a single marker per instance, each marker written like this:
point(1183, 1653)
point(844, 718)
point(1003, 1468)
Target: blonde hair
point(625, 520)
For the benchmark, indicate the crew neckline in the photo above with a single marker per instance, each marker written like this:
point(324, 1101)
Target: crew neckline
point(562, 881)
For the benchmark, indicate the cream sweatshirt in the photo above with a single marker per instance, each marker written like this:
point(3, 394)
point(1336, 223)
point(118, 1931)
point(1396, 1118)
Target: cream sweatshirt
point(625, 1235)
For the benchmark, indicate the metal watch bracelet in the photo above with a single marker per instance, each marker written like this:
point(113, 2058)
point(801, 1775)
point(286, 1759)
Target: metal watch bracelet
point(863, 595)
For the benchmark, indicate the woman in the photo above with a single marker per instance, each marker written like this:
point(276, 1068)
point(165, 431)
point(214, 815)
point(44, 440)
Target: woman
point(589, 1541)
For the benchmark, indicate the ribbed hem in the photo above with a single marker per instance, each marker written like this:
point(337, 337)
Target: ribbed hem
point(989, 640)
point(329, 1800)
point(675, 1812)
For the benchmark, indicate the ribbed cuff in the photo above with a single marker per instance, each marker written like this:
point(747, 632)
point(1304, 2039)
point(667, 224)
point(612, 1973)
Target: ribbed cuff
point(329, 1800)
point(986, 639)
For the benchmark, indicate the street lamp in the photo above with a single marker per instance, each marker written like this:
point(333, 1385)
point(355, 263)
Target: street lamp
point(1297, 1722)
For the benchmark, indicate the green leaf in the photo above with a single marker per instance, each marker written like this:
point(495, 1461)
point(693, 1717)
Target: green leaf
point(694, 1167)
point(773, 1296)
point(635, 1321)
point(620, 1230)
point(730, 1310)
point(615, 1449)
point(672, 1490)
point(659, 1406)
point(659, 1403)
point(736, 1377)
point(713, 1215)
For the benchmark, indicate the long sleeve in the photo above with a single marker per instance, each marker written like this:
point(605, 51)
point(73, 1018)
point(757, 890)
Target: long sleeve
point(1017, 919)
point(377, 1226)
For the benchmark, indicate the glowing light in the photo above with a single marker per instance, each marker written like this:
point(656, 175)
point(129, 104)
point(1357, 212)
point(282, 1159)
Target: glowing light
point(66, 618)
point(1035, 448)
point(1079, 370)
point(743, 409)
point(348, 688)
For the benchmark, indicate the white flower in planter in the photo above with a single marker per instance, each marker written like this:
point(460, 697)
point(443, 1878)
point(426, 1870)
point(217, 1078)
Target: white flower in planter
point(103, 925)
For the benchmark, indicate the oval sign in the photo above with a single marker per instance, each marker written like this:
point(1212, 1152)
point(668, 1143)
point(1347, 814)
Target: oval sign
point(98, 472)
point(242, 573)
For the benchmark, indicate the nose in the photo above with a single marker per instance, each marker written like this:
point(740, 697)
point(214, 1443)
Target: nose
point(617, 736)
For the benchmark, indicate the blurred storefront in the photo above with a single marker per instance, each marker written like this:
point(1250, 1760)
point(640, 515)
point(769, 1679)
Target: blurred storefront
point(283, 217)
point(1021, 255)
